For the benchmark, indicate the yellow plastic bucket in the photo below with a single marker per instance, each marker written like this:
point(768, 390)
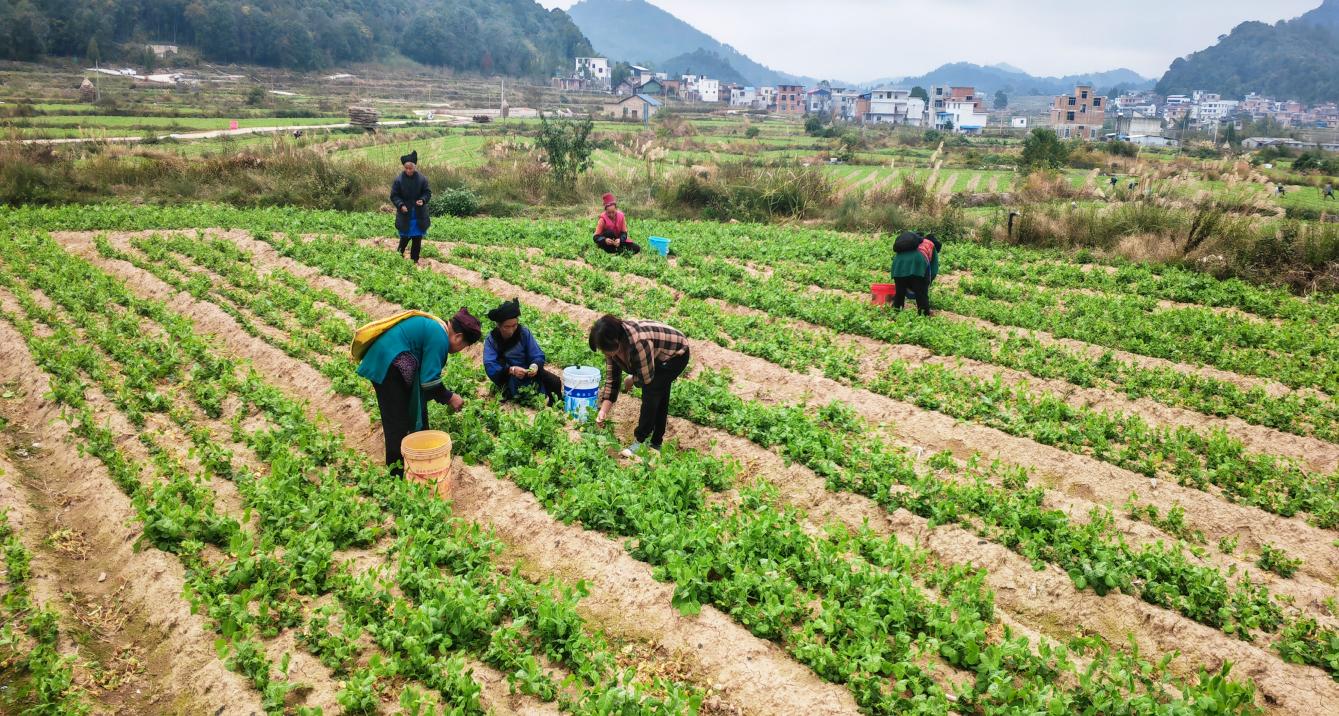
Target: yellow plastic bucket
point(427, 460)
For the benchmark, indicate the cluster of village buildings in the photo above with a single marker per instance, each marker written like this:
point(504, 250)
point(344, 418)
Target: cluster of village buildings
point(642, 93)
point(1142, 118)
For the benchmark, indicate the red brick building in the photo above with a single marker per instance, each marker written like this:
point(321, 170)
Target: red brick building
point(1079, 115)
point(790, 99)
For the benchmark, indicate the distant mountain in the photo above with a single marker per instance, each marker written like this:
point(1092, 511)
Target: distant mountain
point(702, 62)
point(993, 78)
point(637, 31)
point(1009, 68)
point(1295, 59)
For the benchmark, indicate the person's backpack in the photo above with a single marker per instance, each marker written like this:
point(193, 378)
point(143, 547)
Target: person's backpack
point(907, 241)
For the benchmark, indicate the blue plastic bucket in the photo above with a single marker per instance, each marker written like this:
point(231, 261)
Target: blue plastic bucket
point(661, 245)
point(581, 391)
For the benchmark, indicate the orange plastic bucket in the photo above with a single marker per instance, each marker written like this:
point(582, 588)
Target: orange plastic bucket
point(427, 460)
point(881, 293)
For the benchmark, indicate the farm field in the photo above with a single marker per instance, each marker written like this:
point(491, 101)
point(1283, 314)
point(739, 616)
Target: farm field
point(1084, 486)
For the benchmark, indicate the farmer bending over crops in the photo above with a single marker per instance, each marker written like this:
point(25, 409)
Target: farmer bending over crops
point(914, 265)
point(611, 229)
point(513, 359)
point(410, 195)
point(653, 355)
point(405, 365)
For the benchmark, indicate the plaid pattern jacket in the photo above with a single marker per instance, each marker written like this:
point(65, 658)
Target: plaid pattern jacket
point(649, 343)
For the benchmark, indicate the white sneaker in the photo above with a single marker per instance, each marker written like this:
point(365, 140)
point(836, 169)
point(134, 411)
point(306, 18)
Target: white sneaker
point(632, 451)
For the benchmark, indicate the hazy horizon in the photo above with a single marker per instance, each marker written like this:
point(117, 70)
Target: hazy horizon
point(1051, 38)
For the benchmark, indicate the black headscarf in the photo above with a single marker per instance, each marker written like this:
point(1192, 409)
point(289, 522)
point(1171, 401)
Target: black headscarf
point(410, 157)
point(507, 311)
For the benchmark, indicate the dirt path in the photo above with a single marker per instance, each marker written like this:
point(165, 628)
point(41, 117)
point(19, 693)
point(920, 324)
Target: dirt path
point(182, 672)
point(242, 131)
point(748, 673)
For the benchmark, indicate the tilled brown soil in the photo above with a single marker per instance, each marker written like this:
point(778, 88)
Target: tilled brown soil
point(181, 670)
point(746, 673)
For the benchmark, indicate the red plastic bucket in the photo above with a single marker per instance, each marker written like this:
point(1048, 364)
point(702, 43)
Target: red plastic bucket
point(880, 293)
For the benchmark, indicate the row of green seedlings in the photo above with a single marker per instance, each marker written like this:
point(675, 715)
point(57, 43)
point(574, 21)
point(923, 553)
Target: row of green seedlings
point(38, 679)
point(1125, 319)
point(590, 488)
point(1201, 460)
point(308, 513)
point(1106, 562)
point(848, 262)
point(1147, 280)
point(1093, 554)
point(699, 277)
point(1296, 355)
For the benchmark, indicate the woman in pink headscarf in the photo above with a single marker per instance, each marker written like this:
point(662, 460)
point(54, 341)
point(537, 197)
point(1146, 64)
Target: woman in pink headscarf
point(611, 230)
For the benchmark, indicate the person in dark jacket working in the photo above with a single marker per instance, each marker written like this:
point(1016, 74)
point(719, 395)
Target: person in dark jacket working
point(405, 366)
point(611, 229)
point(915, 263)
point(653, 355)
point(513, 359)
point(410, 195)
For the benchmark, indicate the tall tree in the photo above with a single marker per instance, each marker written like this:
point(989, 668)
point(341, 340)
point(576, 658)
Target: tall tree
point(1001, 100)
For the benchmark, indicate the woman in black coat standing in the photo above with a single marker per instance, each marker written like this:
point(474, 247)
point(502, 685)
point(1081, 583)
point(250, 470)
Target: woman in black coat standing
point(410, 195)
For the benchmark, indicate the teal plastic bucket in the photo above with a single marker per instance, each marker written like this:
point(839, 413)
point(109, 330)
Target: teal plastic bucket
point(661, 245)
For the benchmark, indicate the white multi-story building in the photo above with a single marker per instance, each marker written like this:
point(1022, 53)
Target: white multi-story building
point(894, 106)
point(594, 69)
point(743, 96)
point(766, 97)
point(709, 90)
point(962, 115)
point(1214, 110)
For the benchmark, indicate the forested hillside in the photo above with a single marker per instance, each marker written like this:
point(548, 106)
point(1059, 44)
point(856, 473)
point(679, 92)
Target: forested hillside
point(1293, 60)
point(514, 37)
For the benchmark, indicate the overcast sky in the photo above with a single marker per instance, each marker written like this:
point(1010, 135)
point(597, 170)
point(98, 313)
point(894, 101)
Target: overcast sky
point(860, 40)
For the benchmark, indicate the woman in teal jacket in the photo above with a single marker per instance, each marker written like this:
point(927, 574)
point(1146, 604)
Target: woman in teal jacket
point(405, 366)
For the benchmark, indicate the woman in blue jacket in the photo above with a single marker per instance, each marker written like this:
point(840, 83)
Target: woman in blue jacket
point(513, 359)
point(405, 366)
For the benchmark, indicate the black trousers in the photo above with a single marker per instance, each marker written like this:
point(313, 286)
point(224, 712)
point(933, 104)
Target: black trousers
point(623, 245)
point(397, 416)
point(655, 401)
point(920, 285)
point(414, 251)
point(550, 385)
